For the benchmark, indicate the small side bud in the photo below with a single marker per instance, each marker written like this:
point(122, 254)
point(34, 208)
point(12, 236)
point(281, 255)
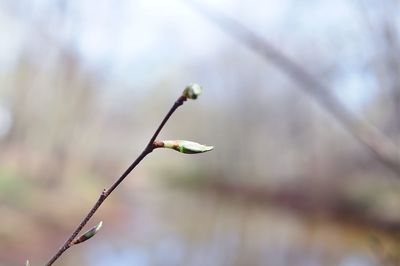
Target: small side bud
point(89, 234)
point(192, 91)
point(27, 263)
point(184, 146)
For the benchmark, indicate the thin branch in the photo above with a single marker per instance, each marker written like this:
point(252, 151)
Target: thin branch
point(104, 195)
point(381, 147)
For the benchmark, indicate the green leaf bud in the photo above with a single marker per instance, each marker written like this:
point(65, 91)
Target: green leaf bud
point(192, 91)
point(184, 146)
point(89, 234)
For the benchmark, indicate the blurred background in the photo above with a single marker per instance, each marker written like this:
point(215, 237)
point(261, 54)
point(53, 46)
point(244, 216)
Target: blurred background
point(83, 85)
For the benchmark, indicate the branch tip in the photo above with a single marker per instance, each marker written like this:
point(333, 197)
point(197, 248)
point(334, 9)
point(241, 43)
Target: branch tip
point(192, 91)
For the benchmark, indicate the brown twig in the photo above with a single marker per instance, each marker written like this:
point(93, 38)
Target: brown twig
point(381, 147)
point(104, 195)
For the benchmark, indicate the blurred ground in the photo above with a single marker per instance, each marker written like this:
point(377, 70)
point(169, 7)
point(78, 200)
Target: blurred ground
point(84, 84)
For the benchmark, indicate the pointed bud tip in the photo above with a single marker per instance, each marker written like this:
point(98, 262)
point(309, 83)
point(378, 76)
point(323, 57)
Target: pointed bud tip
point(99, 226)
point(192, 91)
point(94, 230)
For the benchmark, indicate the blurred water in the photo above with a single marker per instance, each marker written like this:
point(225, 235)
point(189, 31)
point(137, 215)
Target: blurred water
point(181, 228)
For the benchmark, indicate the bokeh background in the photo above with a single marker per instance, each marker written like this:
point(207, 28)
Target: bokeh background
point(83, 85)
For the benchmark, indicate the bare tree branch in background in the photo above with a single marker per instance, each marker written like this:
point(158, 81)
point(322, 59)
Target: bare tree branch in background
point(383, 149)
point(386, 67)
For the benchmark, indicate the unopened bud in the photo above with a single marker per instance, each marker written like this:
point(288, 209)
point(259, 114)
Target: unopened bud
point(192, 91)
point(185, 146)
point(89, 234)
